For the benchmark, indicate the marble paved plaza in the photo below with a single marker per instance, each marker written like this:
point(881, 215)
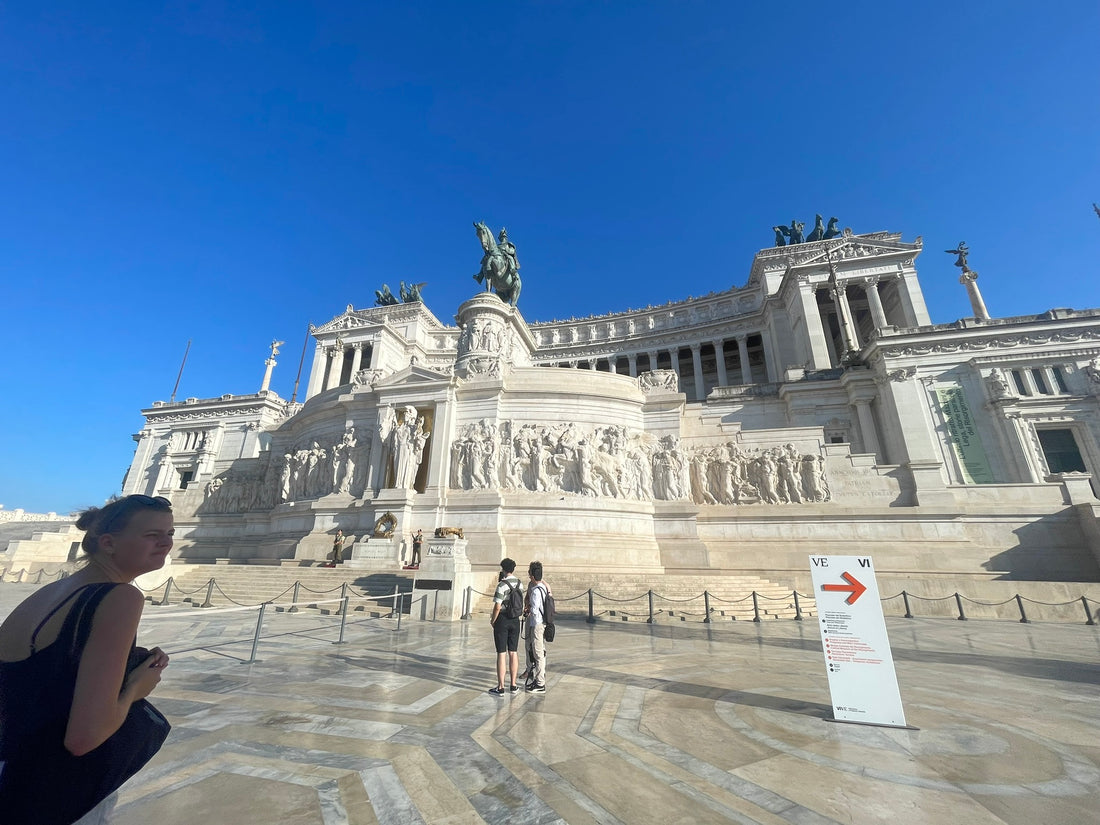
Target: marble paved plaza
point(640, 724)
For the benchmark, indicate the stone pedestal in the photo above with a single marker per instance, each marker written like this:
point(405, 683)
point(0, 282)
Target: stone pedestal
point(375, 554)
point(439, 589)
point(929, 485)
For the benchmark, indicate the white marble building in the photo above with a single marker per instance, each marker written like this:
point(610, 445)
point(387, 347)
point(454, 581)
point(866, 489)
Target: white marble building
point(815, 409)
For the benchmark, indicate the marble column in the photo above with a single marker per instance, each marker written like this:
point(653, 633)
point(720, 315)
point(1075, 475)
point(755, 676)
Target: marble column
point(720, 362)
point(632, 360)
point(334, 367)
point(356, 359)
point(874, 301)
point(652, 354)
point(697, 368)
point(317, 373)
point(270, 364)
point(844, 315)
point(970, 279)
point(674, 363)
point(743, 353)
point(816, 339)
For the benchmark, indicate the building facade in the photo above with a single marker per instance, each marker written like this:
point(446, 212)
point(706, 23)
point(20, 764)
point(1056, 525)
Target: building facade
point(814, 409)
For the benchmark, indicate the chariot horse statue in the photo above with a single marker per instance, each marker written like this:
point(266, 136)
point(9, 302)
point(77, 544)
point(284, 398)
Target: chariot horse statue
point(499, 265)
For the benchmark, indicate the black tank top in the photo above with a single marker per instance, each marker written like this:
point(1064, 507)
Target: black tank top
point(36, 693)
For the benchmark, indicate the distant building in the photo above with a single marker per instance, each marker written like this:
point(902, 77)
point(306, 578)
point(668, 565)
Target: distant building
point(815, 409)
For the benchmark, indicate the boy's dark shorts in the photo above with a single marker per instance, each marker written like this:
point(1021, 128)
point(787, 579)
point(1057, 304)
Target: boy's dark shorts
point(506, 634)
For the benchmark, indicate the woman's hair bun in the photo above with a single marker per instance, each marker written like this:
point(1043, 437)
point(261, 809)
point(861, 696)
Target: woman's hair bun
point(87, 518)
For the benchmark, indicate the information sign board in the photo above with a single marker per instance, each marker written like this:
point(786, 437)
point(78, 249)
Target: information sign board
point(860, 665)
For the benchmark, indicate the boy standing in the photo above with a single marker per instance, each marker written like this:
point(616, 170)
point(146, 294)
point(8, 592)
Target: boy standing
point(537, 592)
point(505, 621)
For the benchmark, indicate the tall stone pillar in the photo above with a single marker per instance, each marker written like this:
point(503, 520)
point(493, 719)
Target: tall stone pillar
point(743, 353)
point(720, 362)
point(316, 373)
point(652, 355)
point(844, 315)
point(356, 359)
point(970, 279)
point(674, 364)
point(697, 368)
point(632, 361)
point(874, 301)
point(334, 367)
point(814, 331)
point(270, 364)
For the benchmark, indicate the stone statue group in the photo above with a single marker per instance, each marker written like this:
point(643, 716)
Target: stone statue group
point(403, 438)
point(793, 234)
point(312, 471)
point(616, 462)
point(409, 294)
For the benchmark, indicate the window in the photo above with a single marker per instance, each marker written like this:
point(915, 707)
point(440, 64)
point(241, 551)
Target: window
point(1060, 451)
point(187, 475)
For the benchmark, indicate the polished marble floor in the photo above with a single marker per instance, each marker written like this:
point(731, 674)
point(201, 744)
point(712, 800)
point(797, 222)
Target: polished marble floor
point(640, 723)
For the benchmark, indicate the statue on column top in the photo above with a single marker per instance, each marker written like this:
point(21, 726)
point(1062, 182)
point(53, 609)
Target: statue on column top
point(962, 250)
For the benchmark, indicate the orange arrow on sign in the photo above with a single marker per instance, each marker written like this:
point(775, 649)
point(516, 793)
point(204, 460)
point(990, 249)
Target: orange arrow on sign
point(854, 586)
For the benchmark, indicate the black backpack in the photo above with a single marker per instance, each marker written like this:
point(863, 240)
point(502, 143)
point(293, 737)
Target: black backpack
point(512, 606)
point(548, 611)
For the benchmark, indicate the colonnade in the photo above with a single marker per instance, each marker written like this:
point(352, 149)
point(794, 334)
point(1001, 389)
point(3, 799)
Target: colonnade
point(334, 366)
point(716, 351)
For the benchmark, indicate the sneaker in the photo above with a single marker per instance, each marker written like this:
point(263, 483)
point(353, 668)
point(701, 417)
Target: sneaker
point(497, 691)
point(514, 689)
point(537, 688)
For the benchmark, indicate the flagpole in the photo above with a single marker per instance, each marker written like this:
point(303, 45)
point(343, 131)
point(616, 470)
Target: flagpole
point(180, 375)
point(301, 361)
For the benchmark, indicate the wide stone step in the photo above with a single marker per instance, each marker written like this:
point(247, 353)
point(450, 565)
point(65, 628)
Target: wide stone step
point(253, 585)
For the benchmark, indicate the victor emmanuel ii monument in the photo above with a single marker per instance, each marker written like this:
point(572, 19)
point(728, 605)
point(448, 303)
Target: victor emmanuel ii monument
point(814, 408)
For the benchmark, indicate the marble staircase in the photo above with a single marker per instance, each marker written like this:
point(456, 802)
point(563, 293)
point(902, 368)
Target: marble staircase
point(254, 584)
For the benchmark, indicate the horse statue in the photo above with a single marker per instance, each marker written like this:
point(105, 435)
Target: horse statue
point(796, 233)
point(831, 231)
point(781, 232)
point(411, 293)
point(384, 298)
point(819, 230)
point(499, 265)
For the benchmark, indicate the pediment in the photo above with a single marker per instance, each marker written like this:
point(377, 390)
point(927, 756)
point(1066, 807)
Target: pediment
point(841, 250)
point(412, 374)
point(846, 247)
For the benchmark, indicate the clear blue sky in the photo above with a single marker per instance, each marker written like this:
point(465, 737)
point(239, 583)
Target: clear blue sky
point(230, 172)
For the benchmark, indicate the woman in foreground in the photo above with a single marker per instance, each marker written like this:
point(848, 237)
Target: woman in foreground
point(73, 721)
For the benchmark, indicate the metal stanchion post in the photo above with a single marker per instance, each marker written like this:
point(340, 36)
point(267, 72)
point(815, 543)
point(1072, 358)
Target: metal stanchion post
point(797, 607)
point(435, 604)
point(650, 619)
point(755, 608)
point(905, 598)
point(591, 614)
point(209, 594)
point(343, 620)
point(344, 595)
point(167, 590)
point(1088, 613)
point(1023, 615)
point(397, 600)
point(394, 605)
point(467, 603)
point(294, 597)
point(959, 602)
point(706, 607)
point(256, 638)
